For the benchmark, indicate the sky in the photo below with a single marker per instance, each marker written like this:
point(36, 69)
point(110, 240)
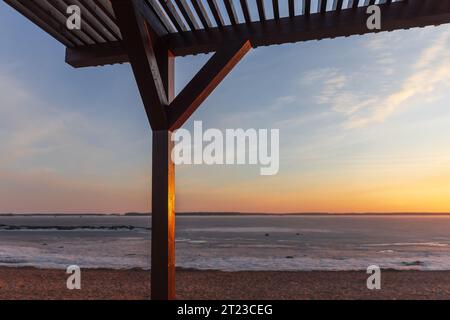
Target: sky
point(364, 127)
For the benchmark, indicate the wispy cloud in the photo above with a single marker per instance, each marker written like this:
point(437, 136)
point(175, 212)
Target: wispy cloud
point(363, 105)
point(431, 70)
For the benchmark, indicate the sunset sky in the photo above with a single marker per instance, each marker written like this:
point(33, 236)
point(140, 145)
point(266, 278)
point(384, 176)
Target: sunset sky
point(364, 127)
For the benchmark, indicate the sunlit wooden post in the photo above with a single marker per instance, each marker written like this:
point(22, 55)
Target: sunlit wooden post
point(163, 194)
point(153, 68)
point(163, 217)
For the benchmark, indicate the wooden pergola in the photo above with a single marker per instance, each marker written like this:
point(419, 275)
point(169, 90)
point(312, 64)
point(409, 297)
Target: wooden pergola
point(149, 34)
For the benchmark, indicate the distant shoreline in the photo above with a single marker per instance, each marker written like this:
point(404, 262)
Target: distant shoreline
point(137, 214)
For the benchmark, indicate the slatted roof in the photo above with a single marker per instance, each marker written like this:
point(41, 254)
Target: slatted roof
point(176, 16)
point(198, 26)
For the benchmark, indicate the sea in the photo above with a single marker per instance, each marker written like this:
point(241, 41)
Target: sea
point(232, 242)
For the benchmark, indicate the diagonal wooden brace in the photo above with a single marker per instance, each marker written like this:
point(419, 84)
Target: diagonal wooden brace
point(204, 82)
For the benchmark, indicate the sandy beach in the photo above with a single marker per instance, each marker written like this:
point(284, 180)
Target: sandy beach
point(31, 283)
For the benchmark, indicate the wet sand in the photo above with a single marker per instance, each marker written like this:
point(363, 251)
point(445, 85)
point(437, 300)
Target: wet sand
point(31, 283)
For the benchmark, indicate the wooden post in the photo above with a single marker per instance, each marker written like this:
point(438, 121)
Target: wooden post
point(163, 194)
point(153, 67)
point(163, 217)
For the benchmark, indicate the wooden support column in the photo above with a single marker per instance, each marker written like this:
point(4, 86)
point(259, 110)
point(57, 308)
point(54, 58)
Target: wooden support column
point(163, 194)
point(163, 217)
point(153, 68)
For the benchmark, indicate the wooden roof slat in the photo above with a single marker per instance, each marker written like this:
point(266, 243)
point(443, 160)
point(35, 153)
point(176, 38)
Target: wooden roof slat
point(337, 5)
point(214, 7)
point(86, 20)
point(276, 9)
point(369, 2)
point(246, 11)
point(161, 15)
point(187, 14)
point(353, 4)
point(51, 14)
point(47, 25)
point(322, 6)
point(306, 8)
point(291, 8)
point(201, 13)
point(105, 6)
point(173, 15)
point(231, 10)
point(59, 10)
point(102, 19)
point(261, 10)
point(98, 25)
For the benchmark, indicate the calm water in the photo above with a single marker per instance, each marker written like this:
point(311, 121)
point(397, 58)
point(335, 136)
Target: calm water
point(232, 243)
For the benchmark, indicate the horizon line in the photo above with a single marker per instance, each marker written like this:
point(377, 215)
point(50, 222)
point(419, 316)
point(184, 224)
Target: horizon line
point(226, 213)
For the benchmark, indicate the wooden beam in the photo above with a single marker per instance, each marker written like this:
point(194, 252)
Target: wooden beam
point(204, 82)
point(140, 43)
point(317, 26)
point(163, 218)
point(97, 55)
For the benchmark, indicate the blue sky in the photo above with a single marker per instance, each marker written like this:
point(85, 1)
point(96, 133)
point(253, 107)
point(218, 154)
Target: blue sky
point(364, 126)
